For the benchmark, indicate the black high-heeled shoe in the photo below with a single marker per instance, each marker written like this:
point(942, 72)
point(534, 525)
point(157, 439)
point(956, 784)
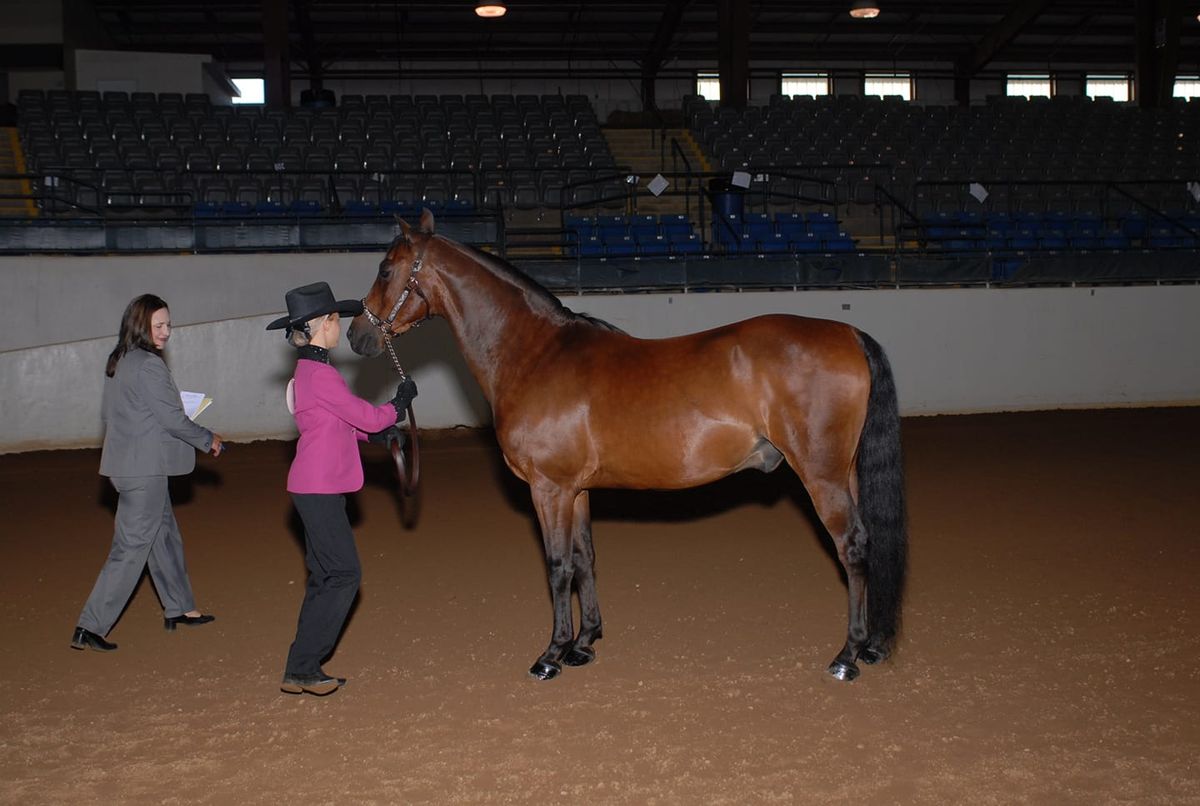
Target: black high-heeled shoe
point(86, 639)
point(190, 621)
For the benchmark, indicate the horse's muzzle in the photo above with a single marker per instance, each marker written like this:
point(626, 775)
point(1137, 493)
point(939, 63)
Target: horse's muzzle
point(364, 338)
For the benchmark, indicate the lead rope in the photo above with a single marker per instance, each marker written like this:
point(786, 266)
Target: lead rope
point(409, 469)
point(410, 477)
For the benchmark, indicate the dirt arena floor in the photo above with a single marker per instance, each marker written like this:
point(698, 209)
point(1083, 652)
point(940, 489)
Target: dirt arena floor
point(1050, 651)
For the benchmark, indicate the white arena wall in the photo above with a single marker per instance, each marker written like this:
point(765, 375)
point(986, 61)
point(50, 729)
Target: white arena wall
point(953, 350)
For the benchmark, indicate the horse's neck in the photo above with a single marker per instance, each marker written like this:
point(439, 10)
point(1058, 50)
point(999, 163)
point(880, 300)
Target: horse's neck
point(500, 325)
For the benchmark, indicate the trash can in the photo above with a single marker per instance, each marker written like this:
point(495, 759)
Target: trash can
point(728, 204)
point(727, 198)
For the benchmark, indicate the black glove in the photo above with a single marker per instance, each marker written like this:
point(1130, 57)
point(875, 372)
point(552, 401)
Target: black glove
point(386, 437)
point(405, 392)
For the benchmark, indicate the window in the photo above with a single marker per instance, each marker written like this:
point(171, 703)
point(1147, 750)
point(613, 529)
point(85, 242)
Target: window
point(1115, 87)
point(252, 90)
point(804, 84)
point(1031, 86)
point(889, 84)
point(708, 86)
point(1187, 86)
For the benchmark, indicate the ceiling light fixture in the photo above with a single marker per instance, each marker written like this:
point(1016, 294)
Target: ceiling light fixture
point(864, 10)
point(492, 9)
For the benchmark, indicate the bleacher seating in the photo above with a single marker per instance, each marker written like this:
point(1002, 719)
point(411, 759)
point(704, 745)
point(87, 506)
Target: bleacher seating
point(1052, 231)
point(624, 236)
point(372, 154)
point(1031, 156)
point(785, 232)
point(1067, 174)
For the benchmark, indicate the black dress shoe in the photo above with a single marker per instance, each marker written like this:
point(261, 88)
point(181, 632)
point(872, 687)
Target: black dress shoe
point(86, 639)
point(318, 684)
point(191, 621)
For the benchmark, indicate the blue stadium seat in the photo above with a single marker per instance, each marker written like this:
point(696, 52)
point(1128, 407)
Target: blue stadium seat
point(726, 228)
point(591, 246)
point(805, 242)
point(654, 245)
point(620, 246)
point(583, 225)
point(1022, 239)
point(267, 207)
point(400, 207)
point(673, 225)
point(236, 209)
point(359, 207)
point(610, 227)
point(1053, 239)
point(305, 207)
point(774, 243)
point(1115, 239)
point(841, 242)
point(821, 223)
point(643, 226)
point(791, 225)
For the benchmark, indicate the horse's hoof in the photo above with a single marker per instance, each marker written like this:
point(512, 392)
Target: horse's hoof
point(579, 656)
point(871, 656)
point(544, 670)
point(843, 671)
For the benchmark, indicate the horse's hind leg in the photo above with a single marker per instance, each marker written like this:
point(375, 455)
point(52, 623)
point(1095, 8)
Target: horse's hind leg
point(555, 507)
point(836, 508)
point(584, 560)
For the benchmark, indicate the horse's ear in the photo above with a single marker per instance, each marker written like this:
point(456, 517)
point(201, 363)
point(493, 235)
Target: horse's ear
point(405, 229)
point(426, 220)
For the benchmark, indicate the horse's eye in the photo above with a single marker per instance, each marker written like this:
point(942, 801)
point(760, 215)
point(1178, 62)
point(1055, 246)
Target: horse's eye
point(385, 270)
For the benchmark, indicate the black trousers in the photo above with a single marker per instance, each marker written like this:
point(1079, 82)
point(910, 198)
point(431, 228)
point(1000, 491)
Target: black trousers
point(334, 573)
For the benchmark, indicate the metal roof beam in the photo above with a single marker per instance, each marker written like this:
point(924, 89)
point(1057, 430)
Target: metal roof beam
point(1001, 34)
point(656, 54)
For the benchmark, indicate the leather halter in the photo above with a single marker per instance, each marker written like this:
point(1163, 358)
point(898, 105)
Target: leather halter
point(385, 323)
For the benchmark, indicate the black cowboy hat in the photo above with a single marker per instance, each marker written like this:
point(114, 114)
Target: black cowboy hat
point(310, 301)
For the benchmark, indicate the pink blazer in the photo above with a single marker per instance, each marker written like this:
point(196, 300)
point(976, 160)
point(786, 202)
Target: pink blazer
point(331, 422)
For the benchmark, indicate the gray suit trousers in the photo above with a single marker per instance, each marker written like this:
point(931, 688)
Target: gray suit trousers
point(146, 534)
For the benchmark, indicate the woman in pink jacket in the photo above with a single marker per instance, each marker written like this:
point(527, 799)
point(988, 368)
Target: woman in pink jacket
point(331, 421)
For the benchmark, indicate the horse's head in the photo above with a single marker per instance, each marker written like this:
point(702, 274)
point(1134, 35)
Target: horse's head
point(396, 301)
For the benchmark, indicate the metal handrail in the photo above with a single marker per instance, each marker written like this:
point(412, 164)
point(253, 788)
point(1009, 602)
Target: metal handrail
point(677, 150)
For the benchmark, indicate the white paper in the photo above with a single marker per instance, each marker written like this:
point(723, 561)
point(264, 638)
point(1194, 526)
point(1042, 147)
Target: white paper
point(1194, 189)
point(194, 403)
point(978, 191)
point(740, 179)
point(657, 185)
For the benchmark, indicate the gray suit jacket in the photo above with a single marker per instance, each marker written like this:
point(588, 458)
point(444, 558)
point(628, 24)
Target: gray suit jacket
point(146, 432)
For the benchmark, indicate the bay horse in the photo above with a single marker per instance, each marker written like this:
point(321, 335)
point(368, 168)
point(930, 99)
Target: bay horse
point(578, 405)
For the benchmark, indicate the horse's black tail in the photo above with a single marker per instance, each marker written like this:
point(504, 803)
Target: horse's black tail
point(881, 500)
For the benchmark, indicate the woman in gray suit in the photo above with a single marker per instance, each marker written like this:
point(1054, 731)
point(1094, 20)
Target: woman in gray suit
point(147, 438)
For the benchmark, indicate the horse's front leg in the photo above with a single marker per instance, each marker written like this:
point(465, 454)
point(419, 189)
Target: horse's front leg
point(555, 507)
point(584, 559)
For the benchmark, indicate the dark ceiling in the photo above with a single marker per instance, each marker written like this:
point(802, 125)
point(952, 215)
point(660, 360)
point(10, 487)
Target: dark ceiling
point(329, 34)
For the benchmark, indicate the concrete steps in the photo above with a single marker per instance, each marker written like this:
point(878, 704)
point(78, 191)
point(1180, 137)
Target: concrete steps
point(647, 152)
point(12, 161)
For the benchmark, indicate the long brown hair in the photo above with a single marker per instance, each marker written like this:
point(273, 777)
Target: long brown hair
point(135, 329)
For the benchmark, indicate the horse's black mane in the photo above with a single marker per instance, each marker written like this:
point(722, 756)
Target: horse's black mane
point(503, 267)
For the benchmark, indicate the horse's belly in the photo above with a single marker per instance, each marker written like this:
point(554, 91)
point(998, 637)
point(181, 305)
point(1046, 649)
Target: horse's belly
point(664, 463)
